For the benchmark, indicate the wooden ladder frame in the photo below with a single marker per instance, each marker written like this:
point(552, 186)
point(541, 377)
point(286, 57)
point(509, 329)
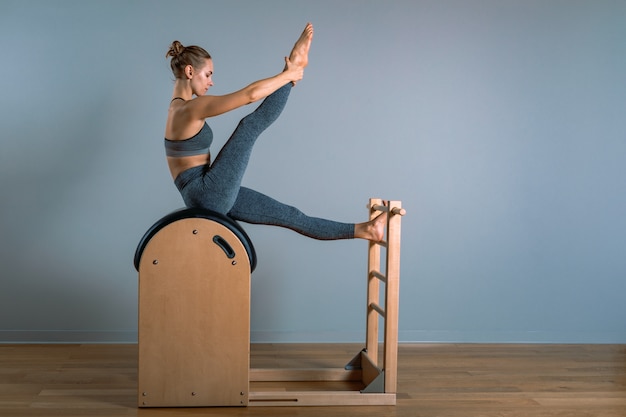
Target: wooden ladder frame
point(378, 375)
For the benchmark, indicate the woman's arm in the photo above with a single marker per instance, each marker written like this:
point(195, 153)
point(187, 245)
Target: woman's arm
point(209, 106)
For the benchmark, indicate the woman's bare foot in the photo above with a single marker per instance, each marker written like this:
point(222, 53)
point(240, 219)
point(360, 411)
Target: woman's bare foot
point(373, 230)
point(300, 53)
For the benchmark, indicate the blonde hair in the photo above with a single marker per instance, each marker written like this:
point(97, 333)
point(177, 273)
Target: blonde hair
point(185, 55)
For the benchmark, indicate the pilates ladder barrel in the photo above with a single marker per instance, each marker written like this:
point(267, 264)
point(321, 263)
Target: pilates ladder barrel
point(194, 340)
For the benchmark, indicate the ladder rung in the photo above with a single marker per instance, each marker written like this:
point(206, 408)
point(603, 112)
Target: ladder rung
point(378, 308)
point(395, 210)
point(382, 243)
point(378, 275)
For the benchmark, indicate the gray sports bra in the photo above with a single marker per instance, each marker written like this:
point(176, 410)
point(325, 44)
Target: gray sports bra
point(196, 145)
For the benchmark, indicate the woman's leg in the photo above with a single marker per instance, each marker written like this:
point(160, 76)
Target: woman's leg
point(222, 179)
point(254, 207)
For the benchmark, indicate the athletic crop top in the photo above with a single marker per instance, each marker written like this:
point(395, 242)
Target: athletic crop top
point(196, 145)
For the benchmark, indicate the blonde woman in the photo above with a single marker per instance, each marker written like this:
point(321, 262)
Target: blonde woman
point(215, 184)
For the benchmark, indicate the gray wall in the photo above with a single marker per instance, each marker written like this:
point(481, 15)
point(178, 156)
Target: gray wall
point(500, 124)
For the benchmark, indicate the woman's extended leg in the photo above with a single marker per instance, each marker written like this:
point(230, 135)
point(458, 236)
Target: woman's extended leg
point(221, 181)
point(215, 187)
point(257, 208)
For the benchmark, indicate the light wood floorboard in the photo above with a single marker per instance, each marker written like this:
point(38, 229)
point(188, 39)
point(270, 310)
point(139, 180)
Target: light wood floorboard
point(463, 380)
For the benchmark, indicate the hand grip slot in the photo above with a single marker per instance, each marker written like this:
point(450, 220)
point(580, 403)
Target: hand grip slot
point(222, 243)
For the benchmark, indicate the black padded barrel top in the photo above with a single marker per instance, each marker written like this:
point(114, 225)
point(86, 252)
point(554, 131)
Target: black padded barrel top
point(197, 213)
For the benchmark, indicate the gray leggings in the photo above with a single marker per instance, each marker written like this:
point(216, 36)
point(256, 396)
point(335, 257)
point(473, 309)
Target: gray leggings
point(218, 187)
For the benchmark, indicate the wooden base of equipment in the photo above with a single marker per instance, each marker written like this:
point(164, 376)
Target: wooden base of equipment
point(194, 320)
point(360, 371)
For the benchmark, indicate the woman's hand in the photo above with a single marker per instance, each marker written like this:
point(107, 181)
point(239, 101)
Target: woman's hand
point(294, 72)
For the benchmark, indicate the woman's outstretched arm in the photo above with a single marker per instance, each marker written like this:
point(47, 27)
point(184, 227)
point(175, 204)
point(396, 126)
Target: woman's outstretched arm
point(209, 106)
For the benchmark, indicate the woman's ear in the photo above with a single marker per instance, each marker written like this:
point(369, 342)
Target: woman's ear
point(188, 71)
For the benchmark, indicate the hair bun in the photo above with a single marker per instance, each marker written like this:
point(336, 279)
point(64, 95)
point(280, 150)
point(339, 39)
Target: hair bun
point(176, 48)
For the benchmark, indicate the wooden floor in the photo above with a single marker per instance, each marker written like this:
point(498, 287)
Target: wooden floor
point(461, 380)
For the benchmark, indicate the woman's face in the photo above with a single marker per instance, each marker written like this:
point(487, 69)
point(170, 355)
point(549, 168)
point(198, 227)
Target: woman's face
point(202, 80)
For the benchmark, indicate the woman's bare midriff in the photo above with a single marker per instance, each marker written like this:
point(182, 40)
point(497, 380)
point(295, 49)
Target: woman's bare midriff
point(180, 164)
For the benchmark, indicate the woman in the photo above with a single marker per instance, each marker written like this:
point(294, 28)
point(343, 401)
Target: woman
point(216, 185)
